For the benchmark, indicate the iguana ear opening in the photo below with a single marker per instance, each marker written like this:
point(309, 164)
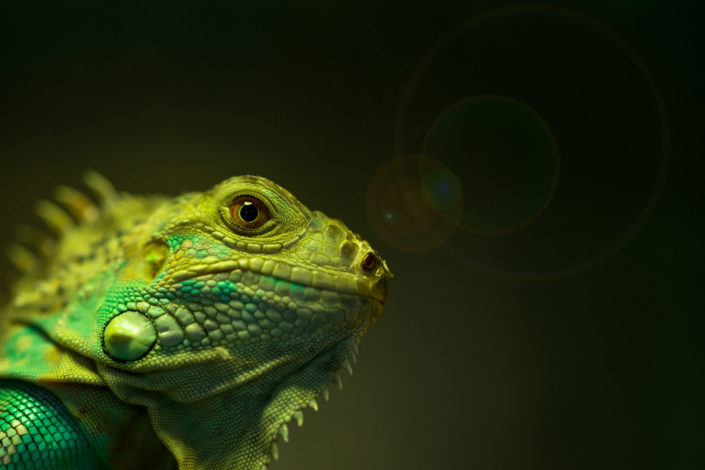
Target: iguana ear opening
point(155, 256)
point(146, 263)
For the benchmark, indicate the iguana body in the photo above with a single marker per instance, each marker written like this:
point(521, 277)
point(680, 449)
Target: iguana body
point(185, 331)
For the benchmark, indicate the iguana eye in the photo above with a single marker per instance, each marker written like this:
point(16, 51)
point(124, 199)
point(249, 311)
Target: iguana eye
point(249, 212)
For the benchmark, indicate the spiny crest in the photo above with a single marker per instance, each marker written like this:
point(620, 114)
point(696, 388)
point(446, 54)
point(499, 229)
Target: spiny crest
point(33, 247)
point(298, 415)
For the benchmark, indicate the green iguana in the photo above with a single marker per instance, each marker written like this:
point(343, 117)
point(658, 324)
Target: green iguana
point(179, 332)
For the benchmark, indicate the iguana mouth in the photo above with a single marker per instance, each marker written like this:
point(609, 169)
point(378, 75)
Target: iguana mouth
point(338, 282)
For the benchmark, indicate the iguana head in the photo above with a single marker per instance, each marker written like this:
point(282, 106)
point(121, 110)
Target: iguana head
point(232, 311)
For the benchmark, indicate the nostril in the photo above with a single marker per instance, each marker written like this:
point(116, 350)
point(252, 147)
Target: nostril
point(370, 262)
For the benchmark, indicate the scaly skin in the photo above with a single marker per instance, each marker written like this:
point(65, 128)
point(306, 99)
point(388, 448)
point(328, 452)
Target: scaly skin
point(167, 332)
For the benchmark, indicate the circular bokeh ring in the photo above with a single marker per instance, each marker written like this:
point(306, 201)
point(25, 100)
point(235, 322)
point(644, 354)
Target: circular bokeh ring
point(511, 158)
point(569, 225)
point(414, 203)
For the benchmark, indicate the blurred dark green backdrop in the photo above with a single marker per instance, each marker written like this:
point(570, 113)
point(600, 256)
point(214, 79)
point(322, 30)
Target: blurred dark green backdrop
point(560, 327)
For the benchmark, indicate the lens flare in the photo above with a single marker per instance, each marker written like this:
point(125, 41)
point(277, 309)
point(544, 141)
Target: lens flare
point(507, 157)
point(442, 189)
point(497, 117)
point(414, 203)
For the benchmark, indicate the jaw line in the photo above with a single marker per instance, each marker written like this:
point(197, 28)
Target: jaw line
point(340, 354)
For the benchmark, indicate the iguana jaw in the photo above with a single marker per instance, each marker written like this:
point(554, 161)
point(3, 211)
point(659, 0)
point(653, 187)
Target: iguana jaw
point(258, 408)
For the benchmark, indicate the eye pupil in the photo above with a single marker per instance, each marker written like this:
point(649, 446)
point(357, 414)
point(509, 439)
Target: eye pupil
point(249, 212)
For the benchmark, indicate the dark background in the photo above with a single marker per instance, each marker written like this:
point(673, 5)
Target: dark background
point(569, 341)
